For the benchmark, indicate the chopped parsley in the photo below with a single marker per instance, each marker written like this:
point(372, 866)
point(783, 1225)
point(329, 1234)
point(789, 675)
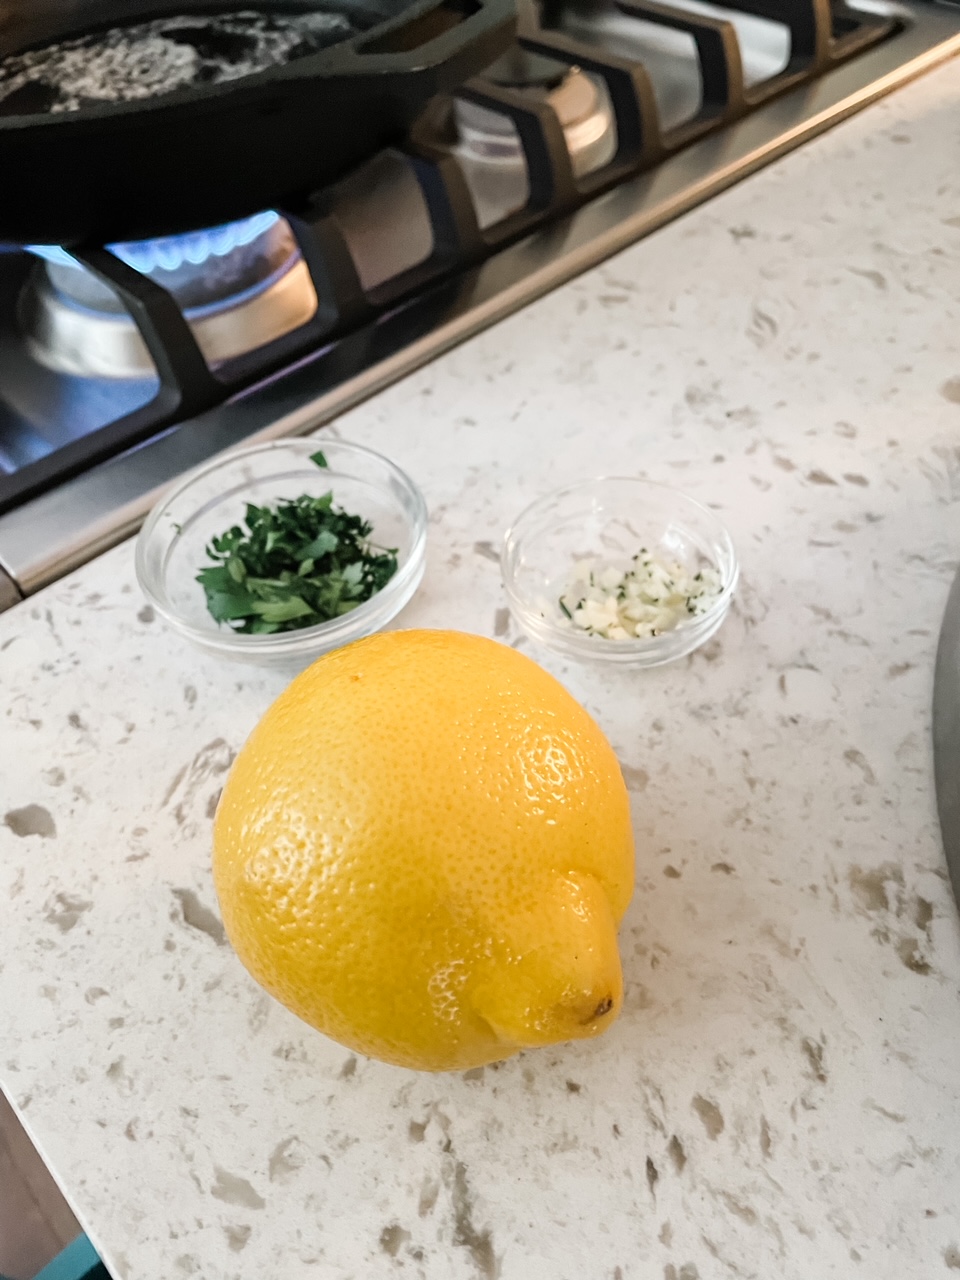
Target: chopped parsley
point(293, 565)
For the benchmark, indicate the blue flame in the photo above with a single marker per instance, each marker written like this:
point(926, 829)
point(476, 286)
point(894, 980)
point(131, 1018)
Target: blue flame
point(170, 252)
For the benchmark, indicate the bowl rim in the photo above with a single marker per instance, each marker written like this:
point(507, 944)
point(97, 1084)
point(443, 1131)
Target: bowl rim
point(304, 637)
point(662, 648)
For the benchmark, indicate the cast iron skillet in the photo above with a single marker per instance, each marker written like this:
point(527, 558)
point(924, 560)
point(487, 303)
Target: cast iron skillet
point(214, 152)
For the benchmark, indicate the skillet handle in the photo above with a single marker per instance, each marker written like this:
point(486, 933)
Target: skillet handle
point(430, 36)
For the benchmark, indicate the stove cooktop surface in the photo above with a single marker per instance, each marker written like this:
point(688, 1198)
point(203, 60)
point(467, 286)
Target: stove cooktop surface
point(123, 366)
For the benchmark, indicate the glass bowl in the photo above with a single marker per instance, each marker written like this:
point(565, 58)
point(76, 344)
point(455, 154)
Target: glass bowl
point(171, 547)
point(609, 520)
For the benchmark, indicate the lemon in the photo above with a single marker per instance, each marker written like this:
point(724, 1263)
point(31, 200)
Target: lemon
point(424, 850)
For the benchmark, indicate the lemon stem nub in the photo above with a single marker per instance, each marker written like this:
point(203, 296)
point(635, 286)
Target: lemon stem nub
point(602, 1009)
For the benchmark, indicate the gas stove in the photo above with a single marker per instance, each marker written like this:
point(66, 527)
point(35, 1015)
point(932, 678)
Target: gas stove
point(123, 366)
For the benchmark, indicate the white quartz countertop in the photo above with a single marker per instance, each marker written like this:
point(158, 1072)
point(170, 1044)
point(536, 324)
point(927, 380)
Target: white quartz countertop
point(780, 1096)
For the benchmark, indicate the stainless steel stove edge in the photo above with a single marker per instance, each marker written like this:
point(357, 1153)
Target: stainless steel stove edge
point(61, 529)
point(9, 592)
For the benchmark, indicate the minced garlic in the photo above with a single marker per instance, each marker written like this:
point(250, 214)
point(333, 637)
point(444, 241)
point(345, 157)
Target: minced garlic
point(648, 598)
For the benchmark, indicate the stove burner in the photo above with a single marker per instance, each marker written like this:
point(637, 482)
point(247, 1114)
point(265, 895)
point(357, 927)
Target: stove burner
point(170, 252)
point(518, 68)
point(489, 147)
point(239, 286)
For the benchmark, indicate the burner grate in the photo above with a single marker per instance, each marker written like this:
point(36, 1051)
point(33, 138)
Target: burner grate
point(822, 33)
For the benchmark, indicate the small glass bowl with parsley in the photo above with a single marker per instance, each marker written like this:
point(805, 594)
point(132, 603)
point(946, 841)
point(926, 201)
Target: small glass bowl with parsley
point(279, 552)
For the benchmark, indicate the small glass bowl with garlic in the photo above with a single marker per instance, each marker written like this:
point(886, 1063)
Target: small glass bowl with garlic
point(619, 570)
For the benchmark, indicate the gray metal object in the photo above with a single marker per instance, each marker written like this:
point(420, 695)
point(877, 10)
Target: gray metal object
point(946, 733)
point(88, 343)
point(61, 529)
point(491, 155)
point(9, 594)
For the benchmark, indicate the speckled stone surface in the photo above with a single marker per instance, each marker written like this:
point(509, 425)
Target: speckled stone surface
point(779, 1098)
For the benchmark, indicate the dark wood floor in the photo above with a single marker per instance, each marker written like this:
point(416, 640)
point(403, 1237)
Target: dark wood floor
point(35, 1222)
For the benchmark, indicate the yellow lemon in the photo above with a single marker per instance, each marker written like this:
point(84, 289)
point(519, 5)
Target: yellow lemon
point(424, 850)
